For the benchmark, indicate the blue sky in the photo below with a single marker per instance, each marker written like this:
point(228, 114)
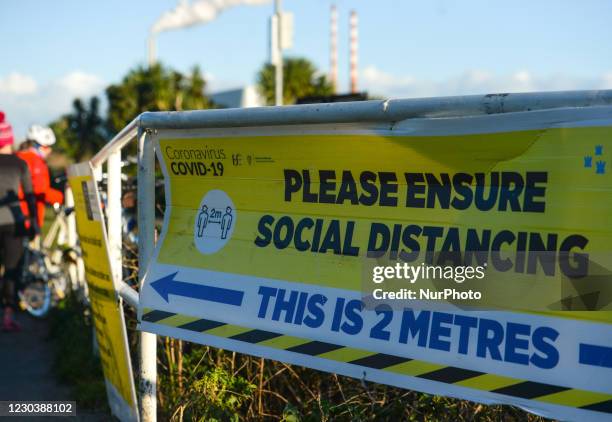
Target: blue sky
point(56, 50)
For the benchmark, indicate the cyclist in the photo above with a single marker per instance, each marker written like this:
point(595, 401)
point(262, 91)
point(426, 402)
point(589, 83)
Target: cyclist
point(34, 151)
point(14, 176)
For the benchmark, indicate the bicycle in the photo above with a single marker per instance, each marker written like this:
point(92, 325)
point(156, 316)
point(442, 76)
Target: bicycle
point(50, 268)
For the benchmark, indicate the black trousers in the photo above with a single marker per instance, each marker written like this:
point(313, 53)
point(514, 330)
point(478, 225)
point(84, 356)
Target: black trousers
point(11, 253)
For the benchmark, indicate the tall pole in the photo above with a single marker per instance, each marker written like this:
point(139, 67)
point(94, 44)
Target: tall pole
point(278, 85)
point(353, 51)
point(333, 48)
point(113, 212)
point(151, 49)
point(146, 243)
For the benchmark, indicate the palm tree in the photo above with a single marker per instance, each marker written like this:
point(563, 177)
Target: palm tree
point(300, 79)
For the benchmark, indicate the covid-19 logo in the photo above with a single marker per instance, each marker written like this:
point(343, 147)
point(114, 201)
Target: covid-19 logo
point(214, 222)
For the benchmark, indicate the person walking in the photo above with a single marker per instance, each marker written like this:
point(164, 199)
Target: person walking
point(35, 151)
point(14, 177)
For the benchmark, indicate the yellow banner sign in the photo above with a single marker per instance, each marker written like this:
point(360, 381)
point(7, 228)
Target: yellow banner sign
point(282, 242)
point(107, 313)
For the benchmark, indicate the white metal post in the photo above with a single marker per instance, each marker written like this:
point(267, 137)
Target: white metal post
point(113, 212)
point(278, 85)
point(71, 236)
point(76, 276)
point(146, 240)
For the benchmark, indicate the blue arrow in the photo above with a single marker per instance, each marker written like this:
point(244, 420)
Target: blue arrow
point(167, 286)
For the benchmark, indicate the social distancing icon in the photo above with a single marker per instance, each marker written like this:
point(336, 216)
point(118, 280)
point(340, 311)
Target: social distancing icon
point(214, 222)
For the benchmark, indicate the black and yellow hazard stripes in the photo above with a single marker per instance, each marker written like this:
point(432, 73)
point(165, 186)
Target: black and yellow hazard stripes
point(508, 386)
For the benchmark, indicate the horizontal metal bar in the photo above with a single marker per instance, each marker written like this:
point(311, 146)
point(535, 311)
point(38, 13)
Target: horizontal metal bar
point(128, 294)
point(117, 143)
point(374, 111)
point(359, 111)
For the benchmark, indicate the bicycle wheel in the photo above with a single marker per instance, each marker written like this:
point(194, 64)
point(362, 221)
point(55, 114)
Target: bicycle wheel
point(35, 298)
point(35, 293)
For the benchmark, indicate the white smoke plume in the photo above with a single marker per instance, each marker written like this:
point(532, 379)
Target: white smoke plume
point(197, 12)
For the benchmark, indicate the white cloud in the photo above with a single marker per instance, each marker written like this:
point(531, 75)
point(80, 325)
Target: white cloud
point(27, 102)
point(80, 84)
point(477, 81)
point(17, 84)
point(385, 82)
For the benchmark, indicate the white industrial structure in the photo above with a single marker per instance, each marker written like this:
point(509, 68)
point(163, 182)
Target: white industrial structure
point(333, 48)
point(247, 96)
point(353, 54)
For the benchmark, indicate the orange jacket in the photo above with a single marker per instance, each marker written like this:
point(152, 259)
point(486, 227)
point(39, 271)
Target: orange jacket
point(41, 184)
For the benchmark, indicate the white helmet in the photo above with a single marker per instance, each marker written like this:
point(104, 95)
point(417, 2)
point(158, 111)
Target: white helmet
point(42, 135)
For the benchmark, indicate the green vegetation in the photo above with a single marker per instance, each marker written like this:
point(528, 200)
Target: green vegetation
point(154, 88)
point(202, 383)
point(199, 383)
point(195, 385)
point(85, 129)
point(82, 132)
point(300, 79)
point(75, 363)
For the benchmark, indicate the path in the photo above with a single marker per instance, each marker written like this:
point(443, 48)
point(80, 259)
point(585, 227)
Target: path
point(26, 368)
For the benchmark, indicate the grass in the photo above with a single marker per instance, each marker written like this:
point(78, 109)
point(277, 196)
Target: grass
point(75, 364)
point(202, 383)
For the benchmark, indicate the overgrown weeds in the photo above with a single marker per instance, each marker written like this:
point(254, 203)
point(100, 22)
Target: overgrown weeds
point(206, 384)
point(75, 363)
point(200, 383)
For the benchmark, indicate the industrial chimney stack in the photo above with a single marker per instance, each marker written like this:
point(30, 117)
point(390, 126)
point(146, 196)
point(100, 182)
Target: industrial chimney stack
point(333, 48)
point(354, 44)
point(151, 49)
